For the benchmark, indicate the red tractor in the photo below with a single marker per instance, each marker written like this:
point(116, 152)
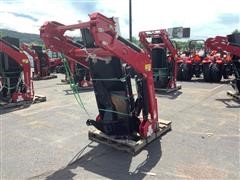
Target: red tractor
point(231, 45)
point(16, 87)
point(190, 62)
point(43, 65)
point(184, 67)
point(109, 56)
point(78, 73)
point(218, 63)
point(163, 54)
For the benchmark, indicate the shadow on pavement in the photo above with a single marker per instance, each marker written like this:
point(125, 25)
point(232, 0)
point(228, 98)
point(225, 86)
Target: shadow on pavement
point(230, 102)
point(83, 90)
point(11, 109)
point(172, 95)
point(109, 163)
point(201, 80)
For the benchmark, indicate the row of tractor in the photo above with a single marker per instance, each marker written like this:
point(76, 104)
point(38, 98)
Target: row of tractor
point(104, 60)
point(211, 65)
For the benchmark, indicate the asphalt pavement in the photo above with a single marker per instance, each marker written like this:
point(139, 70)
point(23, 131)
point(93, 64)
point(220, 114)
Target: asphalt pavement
point(49, 140)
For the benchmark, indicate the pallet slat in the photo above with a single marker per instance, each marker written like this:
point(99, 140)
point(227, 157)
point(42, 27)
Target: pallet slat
point(234, 95)
point(36, 99)
point(44, 78)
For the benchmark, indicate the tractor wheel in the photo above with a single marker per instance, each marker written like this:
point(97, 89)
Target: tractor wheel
point(179, 72)
point(57, 69)
point(197, 70)
point(206, 72)
point(238, 87)
point(216, 73)
point(226, 71)
point(187, 72)
point(225, 75)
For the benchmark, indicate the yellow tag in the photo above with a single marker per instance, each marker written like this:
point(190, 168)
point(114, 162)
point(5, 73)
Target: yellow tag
point(25, 61)
point(148, 67)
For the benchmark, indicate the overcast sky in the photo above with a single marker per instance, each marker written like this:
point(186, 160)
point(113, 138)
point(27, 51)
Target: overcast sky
point(205, 17)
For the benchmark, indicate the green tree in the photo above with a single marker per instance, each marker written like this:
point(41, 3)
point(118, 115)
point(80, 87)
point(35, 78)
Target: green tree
point(1, 34)
point(135, 41)
point(236, 31)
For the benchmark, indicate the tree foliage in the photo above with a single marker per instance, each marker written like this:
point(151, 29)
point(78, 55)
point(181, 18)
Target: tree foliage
point(23, 37)
point(236, 31)
point(1, 34)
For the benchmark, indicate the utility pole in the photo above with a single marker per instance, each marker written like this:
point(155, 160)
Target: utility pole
point(130, 20)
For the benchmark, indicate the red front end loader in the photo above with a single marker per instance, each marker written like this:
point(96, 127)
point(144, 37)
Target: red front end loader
point(16, 87)
point(123, 121)
point(163, 54)
point(42, 63)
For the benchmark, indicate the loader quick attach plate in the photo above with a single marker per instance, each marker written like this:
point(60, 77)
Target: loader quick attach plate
point(168, 90)
point(130, 146)
point(234, 95)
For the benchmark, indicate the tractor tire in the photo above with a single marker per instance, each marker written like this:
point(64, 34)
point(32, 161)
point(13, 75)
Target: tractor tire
point(179, 72)
point(197, 70)
point(238, 87)
point(186, 72)
point(216, 73)
point(225, 75)
point(206, 72)
point(226, 71)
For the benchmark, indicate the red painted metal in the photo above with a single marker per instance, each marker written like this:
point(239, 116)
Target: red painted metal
point(107, 44)
point(23, 61)
point(220, 43)
point(37, 68)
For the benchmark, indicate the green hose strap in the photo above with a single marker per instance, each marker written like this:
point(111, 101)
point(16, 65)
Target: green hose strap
point(110, 79)
point(9, 88)
point(117, 112)
point(73, 85)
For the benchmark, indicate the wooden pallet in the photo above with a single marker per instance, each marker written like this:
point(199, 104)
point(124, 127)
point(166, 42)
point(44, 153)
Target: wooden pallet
point(39, 98)
point(65, 81)
point(44, 78)
point(234, 95)
point(168, 90)
point(22, 104)
point(129, 145)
